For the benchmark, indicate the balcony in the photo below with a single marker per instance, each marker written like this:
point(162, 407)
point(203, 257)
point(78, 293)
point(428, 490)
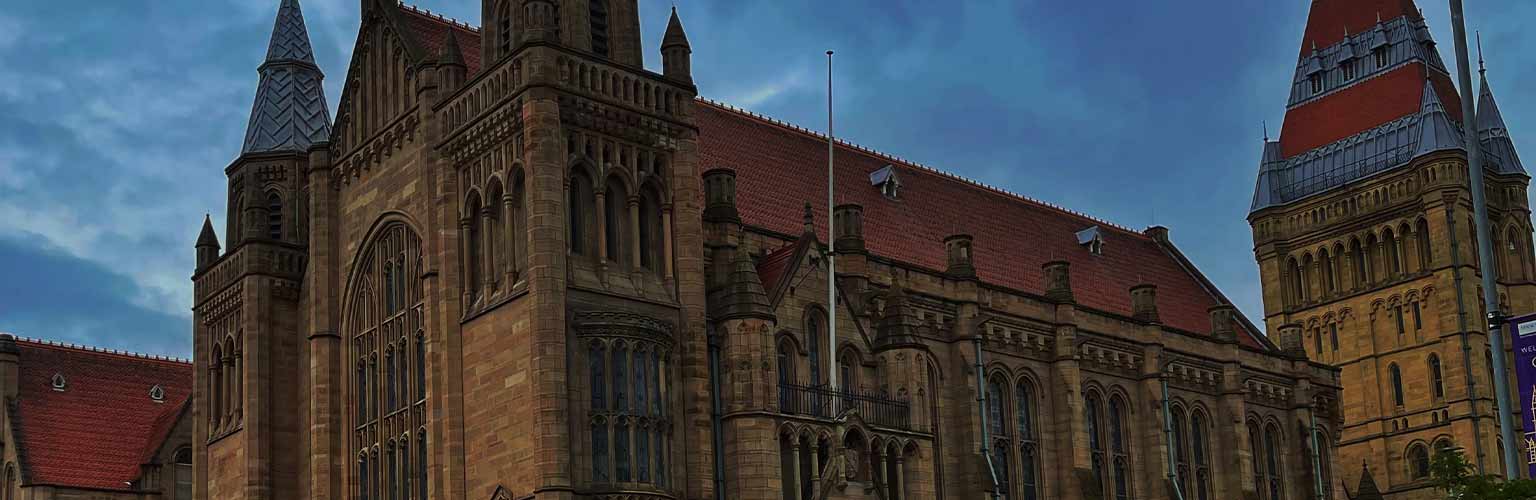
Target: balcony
point(820, 401)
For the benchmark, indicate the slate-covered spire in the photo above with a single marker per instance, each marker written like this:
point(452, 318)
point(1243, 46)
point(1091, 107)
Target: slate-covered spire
point(1491, 131)
point(1436, 130)
point(675, 36)
point(742, 295)
point(290, 112)
point(1367, 489)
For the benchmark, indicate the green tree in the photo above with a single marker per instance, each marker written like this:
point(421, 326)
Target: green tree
point(1452, 474)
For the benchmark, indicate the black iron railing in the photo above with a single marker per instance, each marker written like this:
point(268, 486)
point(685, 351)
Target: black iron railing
point(820, 401)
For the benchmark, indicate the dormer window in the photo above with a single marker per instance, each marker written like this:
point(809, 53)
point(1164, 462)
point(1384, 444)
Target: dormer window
point(886, 181)
point(1381, 57)
point(1349, 69)
point(1316, 81)
point(1092, 239)
point(58, 382)
point(157, 394)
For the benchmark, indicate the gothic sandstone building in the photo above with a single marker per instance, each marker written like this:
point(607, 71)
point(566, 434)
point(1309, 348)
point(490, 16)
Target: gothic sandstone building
point(1363, 230)
point(521, 265)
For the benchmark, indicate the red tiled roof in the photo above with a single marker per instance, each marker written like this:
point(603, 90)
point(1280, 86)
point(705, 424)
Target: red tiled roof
point(1363, 106)
point(772, 267)
point(431, 31)
point(779, 168)
point(97, 431)
point(1329, 19)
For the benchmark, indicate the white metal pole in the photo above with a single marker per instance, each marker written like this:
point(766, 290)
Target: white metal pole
point(1485, 246)
point(831, 245)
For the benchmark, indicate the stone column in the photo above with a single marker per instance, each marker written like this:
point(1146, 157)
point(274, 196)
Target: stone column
point(601, 196)
point(487, 249)
point(666, 239)
point(469, 278)
point(512, 249)
point(634, 225)
point(900, 488)
point(799, 487)
point(815, 471)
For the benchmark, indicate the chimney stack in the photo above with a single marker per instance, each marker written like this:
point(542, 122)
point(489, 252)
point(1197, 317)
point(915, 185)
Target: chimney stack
point(1058, 281)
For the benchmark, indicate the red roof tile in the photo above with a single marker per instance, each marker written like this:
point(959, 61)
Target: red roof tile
point(1363, 106)
point(98, 430)
point(1329, 19)
point(779, 168)
point(431, 31)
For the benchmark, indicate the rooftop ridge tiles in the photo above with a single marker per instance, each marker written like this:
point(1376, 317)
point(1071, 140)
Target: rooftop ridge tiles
point(438, 16)
point(923, 167)
point(98, 350)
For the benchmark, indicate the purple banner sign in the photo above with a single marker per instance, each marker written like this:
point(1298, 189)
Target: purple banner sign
point(1524, 331)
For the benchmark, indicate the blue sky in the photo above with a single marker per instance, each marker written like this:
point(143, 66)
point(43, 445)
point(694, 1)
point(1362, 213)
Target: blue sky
point(117, 119)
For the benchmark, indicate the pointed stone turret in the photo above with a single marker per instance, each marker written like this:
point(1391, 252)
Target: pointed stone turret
point(676, 54)
point(1436, 130)
point(742, 295)
point(452, 70)
point(207, 245)
point(1367, 489)
point(898, 322)
point(1499, 149)
point(290, 112)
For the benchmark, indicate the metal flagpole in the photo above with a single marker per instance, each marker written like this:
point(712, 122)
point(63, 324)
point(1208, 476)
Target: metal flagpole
point(1484, 245)
point(831, 245)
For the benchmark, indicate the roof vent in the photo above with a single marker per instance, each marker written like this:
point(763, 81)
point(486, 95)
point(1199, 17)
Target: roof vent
point(58, 382)
point(157, 393)
point(886, 180)
point(1092, 239)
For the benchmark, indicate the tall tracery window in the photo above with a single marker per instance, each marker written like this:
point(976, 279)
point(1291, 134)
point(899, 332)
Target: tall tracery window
point(1092, 410)
point(1181, 451)
point(473, 230)
point(651, 238)
point(616, 222)
point(1256, 451)
point(1436, 379)
point(1118, 446)
point(1200, 451)
point(1426, 252)
point(1395, 377)
point(847, 364)
point(182, 482)
point(814, 332)
point(579, 210)
point(599, 18)
point(274, 216)
point(629, 416)
point(786, 368)
point(517, 227)
point(1394, 256)
point(382, 330)
point(1358, 262)
point(1272, 461)
point(504, 36)
point(1028, 487)
point(997, 423)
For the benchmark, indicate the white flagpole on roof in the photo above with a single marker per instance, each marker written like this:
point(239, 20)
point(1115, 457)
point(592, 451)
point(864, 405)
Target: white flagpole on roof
point(831, 269)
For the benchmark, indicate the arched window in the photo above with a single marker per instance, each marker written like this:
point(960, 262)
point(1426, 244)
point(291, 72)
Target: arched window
point(421, 462)
point(1326, 260)
point(1426, 252)
point(1000, 463)
point(1118, 447)
point(1324, 455)
point(814, 332)
point(469, 223)
point(1394, 257)
point(1418, 462)
point(378, 344)
point(616, 222)
point(1181, 453)
point(1256, 450)
point(216, 379)
point(1202, 456)
point(1436, 380)
point(1308, 278)
point(1029, 449)
point(493, 232)
point(1091, 412)
point(1395, 376)
point(1358, 262)
point(1293, 270)
point(599, 18)
point(405, 466)
point(504, 36)
point(997, 423)
point(1372, 258)
point(1272, 461)
point(181, 483)
point(847, 364)
point(579, 211)
point(274, 216)
point(652, 240)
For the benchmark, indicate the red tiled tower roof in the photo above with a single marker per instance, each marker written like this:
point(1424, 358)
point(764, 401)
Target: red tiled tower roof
point(98, 430)
point(1378, 97)
point(1330, 19)
point(431, 31)
point(780, 168)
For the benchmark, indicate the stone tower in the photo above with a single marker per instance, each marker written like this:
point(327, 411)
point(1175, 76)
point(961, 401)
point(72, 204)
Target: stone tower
point(1363, 232)
point(249, 341)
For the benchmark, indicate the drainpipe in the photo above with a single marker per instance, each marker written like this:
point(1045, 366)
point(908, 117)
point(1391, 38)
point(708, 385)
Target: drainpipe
point(1173, 473)
point(714, 414)
point(1466, 345)
point(1317, 464)
point(981, 400)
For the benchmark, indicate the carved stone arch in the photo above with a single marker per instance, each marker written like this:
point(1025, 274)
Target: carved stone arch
point(501, 493)
point(386, 221)
point(663, 191)
point(784, 336)
point(625, 179)
point(997, 369)
point(788, 429)
point(580, 162)
point(1095, 388)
